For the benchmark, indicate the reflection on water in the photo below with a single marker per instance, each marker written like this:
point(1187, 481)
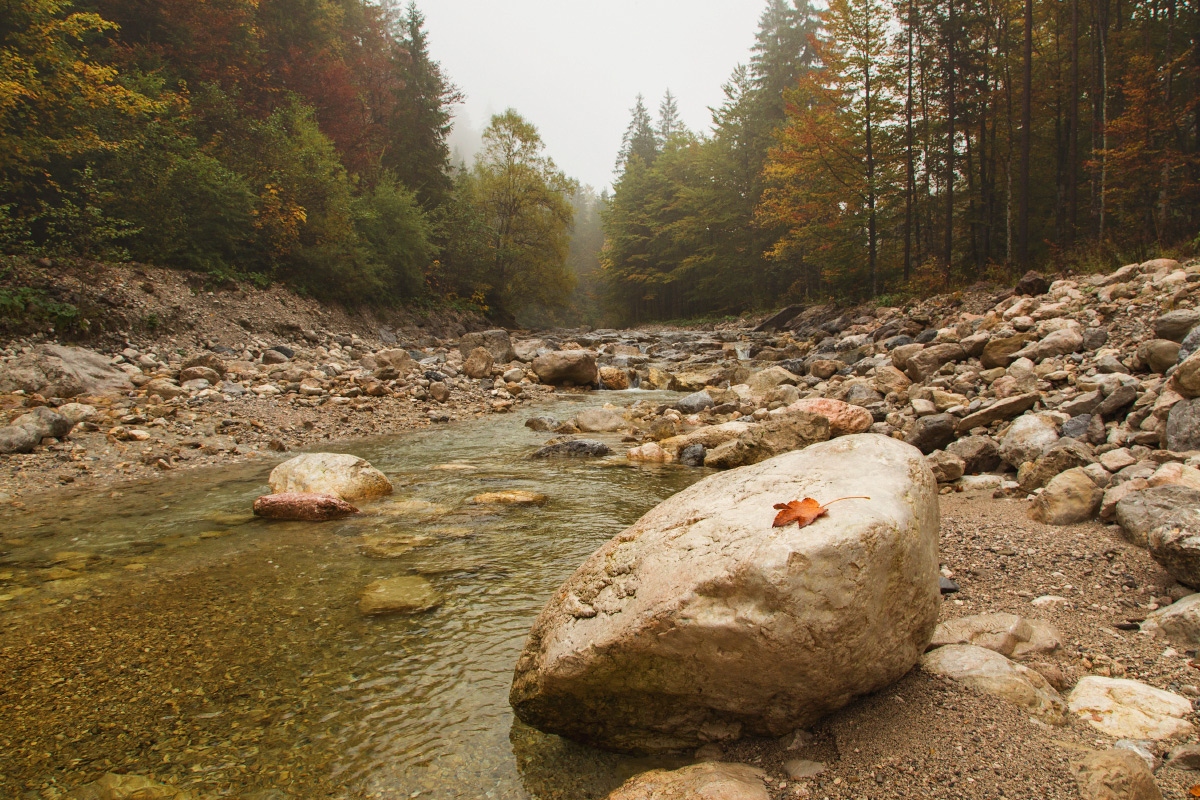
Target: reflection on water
point(386, 707)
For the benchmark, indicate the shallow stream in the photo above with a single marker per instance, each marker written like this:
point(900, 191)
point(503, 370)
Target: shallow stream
point(161, 629)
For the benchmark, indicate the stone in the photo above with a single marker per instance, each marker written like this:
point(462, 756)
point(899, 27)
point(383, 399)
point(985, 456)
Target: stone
point(1175, 325)
point(799, 769)
point(1070, 497)
point(924, 364)
point(1140, 512)
point(614, 378)
point(1084, 403)
point(439, 391)
point(1190, 344)
point(702, 623)
point(510, 497)
point(1001, 351)
point(576, 448)
point(1185, 756)
point(889, 379)
point(980, 453)
point(695, 402)
point(902, 353)
point(396, 358)
point(1063, 455)
point(991, 673)
point(844, 418)
point(541, 423)
point(530, 349)
point(57, 371)
point(1028, 439)
point(769, 439)
point(1175, 545)
point(1031, 284)
point(47, 422)
point(199, 373)
point(600, 420)
point(478, 363)
point(1119, 399)
point(1057, 343)
point(497, 342)
point(307, 507)
point(127, 787)
point(652, 453)
point(406, 594)
point(932, 432)
point(388, 547)
point(1077, 428)
point(563, 367)
point(1127, 709)
point(693, 455)
point(344, 476)
point(946, 467)
point(1117, 460)
point(1178, 623)
point(514, 375)
point(19, 439)
point(708, 781)
point(1116, 774)
point(824, 368)
point(165, 388)
point(207, 360)
point(274, 356)
point(1186, 378)
point(1007, 634)
point(1158, 355)
point(1183, 426)
point(1004, 409)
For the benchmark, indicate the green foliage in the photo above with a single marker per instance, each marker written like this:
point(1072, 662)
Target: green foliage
point(24, 308)
point(395, 235)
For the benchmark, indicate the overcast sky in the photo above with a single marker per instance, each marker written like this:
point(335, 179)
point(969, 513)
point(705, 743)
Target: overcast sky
point(574, 67)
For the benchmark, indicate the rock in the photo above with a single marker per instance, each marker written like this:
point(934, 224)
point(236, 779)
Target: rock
point(980, 453)
point(946, 467)
point(889, 379)
point(924, 364)
point(1007, 634)
point(497, 342)
point(843, 418)
point(164, 388)
point(1084, 403)
point(614, 378)
point(932, 432)
point(407, 594)
point(695, 625)
point(708, 781)
point(541, 423)
point(274, 356)
point(1158, 355)
point(1116, 774)
point(1183, 426)
point(764, 381)
point(1186, 378)
point(55, 371)
point(769, 439)
point(1175, 545)
point(1178, 623)
point(1057, 343)
point(478, 364)
point(1126, 709)
point(902, 353)
point(1031, 284)
point(510, 497)
point(991, 673)
point(824, 368)
point(308, 507)
point(395, 358)
point(199, 373)
point(1006, 408)
point(1120, 398)
point(576, 448)
point(18, 439)
point(1175, 325)
point(600, 420)
point(1117, 460)
point(695, 402)
point(47, 422)
point(1185, 756)
point(693, 455)
point(799, 769)
point(1002, 351)
point(1063, 455)
point(1069, 498)
point(567, 367)
point(1140, 512)
point(344, 476)
point(127, 787)
point(1028, 439)
point(439, 391)
point(653, 453)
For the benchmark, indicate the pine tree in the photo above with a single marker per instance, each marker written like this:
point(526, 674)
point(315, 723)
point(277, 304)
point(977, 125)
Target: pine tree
point(669, 121)
point(782, 52)
point(639, 139)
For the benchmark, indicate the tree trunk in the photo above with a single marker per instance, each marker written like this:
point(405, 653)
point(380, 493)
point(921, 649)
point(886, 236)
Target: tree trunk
point(1026, 143)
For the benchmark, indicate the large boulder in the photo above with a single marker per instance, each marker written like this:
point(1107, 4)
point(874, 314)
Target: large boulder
point(707, 781)
point(478, 363)
point(46, 421)
point(1056, 343)
point(1028, 439)
point(19, 439)
point(496, 342)
point(980, 453)
point(932, 433)
point(1175, 545)
point(1141, 511)
point(704, 623)
point(922, 365)
point(1175, 325)
point(1183, 426)
point(567, 367)
point(56, 371)
point(844, 418)
point(1127, 709)
point(1117, 774)
point(1186, 378)
point(1070, 497)
point(344, 476)
point(769, 439)
point(1179, 622)
point(305, 507)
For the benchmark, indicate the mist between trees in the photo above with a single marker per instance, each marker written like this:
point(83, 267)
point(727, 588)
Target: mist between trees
point(867, 149)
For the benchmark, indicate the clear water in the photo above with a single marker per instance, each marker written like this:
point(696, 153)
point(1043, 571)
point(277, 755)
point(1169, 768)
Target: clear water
point(297, 691)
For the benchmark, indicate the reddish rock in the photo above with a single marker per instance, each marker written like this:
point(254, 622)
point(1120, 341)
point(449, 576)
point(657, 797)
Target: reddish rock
point(302, 506)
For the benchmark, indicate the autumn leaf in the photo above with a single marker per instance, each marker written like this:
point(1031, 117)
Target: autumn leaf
point(803, 512)
point(1195, 791)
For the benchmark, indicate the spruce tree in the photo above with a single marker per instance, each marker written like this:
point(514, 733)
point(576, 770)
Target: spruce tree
point(640, 139)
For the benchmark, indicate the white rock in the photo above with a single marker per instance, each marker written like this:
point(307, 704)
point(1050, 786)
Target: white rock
point(1028, 439)
point(1126, 709)
point(991, 673)
point(1179, 622)
point(341, 475)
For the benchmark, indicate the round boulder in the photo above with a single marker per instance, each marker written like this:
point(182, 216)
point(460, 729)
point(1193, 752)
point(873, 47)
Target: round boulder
point(302, 507)
point(704, 623)
point(344, 476)
point(567, 367)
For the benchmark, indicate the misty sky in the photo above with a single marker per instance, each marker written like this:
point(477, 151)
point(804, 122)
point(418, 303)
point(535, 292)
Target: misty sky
point(575, 67)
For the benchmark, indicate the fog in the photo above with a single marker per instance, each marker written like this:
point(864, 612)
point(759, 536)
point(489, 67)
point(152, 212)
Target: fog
point(574, 68)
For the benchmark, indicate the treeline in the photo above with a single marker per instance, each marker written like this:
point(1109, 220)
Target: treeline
point(888, 145)
point(295, 140)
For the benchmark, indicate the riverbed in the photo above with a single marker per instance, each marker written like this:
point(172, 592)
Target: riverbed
point(159, 628)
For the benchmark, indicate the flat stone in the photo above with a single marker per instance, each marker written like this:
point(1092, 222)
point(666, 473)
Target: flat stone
point(991, 673)
point(1127, 709)
point(407, 594)
point(708, 781)
point(510, 497)
point(1008, 408)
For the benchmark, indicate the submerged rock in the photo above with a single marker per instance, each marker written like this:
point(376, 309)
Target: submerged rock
point(407, 594)
point(703, 623)
point(302, 506)
point(576, 448)
point(510, 497)
point(344, 476)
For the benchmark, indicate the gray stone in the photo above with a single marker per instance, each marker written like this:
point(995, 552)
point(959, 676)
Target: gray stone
point(576, 448)
point(924, 364)
point(693, 455)
point(1190, 344)
point(707, 781)
point(1140, 512)
point(18, 439)
point(695, 402)
point(46, 421)
point(1176, 325)
point(1003, 409)
point(497, 342)
point(57, 371)
point(1077, 427)
point(1082, 403)
point(563, 367)
point(981, 453)
point(769, 439)
point(1183, 426)
point(991, 673)
point(407, 594)
point(1158, 355)
point(1121, 398)
point(931, 433)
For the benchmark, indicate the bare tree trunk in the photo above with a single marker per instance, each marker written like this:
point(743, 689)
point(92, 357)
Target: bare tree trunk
point(910, 183)
point(951, 36)
point(1073, 132)
point(1026, 142)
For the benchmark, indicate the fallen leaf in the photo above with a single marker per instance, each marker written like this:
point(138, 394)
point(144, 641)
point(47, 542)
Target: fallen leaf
point(1194, 791)
point(803, 512)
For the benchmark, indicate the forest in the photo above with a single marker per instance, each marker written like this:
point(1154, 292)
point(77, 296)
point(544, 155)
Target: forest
point(870, 148)
point(880, 148)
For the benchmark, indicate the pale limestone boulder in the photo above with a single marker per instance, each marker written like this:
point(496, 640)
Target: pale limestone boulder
point(1070, 497)
point(709, 436)
point(844, 418)
point(598, 420)
point(703, 623)
point(763, 381)
point(1125, 709)
point(989, 672)
point(344, 476)
point(567, 367)
point(709, 781)
point(1178, 623)
point(1028, 439)
point(478, 363)
point(1007, 634)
